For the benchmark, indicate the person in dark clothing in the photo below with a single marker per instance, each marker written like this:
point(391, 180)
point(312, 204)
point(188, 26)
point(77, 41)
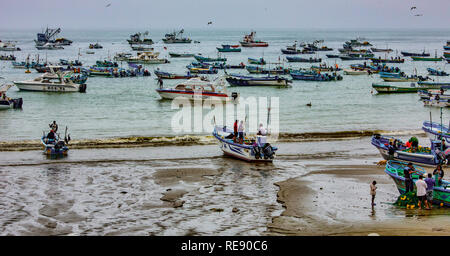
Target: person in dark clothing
point(160, 83)
point(53, 126)
point(235, 127)
point(438, 174)
point(408, 171)
point(391, 150)
point(51, 135)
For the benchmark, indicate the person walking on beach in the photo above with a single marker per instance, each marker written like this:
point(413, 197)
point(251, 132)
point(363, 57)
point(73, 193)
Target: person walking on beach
point(422, 192)
point(430, 186)
point(438, 174)
point(373, 191)
point(408, 181)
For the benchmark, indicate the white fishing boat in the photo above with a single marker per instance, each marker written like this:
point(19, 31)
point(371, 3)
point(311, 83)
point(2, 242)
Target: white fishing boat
point(355, 72)
point(196, 88)
point(5, 101)
point(252, 151)
point(51, 82)
point(146, 58)
point(49, 46)
point(8, 46)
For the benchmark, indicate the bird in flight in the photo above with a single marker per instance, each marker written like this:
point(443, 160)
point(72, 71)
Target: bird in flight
point(210, 22)
point(418, 15)
point(412, 8)
point(108, 5)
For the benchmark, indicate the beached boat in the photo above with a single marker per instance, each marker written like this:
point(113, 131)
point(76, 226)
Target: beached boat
point(239, 80)
point(435, 72)
point(409, 54)
point(207, 59)
point(304, 60)
point(249, 41)
point(6, 102)
point(229, 48)
point(8, 47)
point(181, 55)
point(168, 75)
point(176, 38)
point(426, 156)
point(196, 88)
point(252, 151)
point(8, 57)
point(380, 50)
point(259, 61)
point(49, 46)
point(395, 170)
point(392, 60)
point(139, 38)
point(314, 76)
point(403, 88)
point(51, 82)
point(53, 144)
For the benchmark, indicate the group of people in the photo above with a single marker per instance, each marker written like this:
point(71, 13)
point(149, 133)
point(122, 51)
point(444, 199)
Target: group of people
point(239, 129)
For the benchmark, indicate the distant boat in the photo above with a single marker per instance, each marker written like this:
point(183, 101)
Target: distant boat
point(249, 41)
point(380, 50)
point(365, 56)
point(176, 38)
point(409, 54)
point(181, 55)
point(95, 46)
point(239, 80)
point(228, 48)
point(393, 60)
point(141, 48)
point(299, 59)
point(259, 61)
point(417, 58)
point(139, 39)
point(403, 88)
point(48, 37)
point(273, 71)
point(331, 56)
point(8, 46)
point(207, 59)
point(447, 46)
point(168, 75)
point(49, 46)
point(314, 76)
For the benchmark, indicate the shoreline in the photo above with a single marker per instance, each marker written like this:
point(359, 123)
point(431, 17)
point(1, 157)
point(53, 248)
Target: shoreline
point(191, 140)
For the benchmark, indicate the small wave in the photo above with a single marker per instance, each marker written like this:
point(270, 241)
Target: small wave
point(189, 140)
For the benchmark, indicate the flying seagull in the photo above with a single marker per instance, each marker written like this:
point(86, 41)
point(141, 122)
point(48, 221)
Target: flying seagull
point(210, 22)
point(413, 8)
point(418, 15)
point(108, 5)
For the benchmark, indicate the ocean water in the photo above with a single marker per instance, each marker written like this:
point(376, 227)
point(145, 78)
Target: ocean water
point(121, 107)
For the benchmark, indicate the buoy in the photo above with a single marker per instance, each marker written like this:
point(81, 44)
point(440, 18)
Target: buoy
point(442, 204)
point(407, 206)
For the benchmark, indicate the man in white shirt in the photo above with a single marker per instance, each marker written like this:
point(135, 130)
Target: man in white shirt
point(422, 191)
point(241, 131)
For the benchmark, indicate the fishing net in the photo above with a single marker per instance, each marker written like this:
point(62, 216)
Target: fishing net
point(408, 200)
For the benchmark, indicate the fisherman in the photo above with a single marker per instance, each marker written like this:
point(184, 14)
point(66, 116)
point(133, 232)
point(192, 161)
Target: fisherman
point(422, 192)
point(53, 126)
point(373, 191)
point(235, 126)
point(262, 131)
point(438, 175)
point(408, 180)
point(241, 129)
point(160, 82)
point(430, 186)
point(391, 150)
point(51, 135)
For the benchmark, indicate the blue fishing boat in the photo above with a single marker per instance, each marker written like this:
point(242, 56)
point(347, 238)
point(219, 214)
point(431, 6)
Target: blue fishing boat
point(239, 80)
point(306, 60)
point(168, 75)
point(206, 59)
point(436, 131)
point(229, 48)
point(427, 156)
point(260, 70)
point(314, 76)
point(54, 146)
point(395, 170)
point(252, 151)
point(332, 56)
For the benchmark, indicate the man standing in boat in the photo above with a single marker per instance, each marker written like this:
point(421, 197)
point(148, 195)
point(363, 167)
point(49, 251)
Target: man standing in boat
point(235, 130)
point(241, 132)
point(408, 171)
point(160, 82)
point(53, 126)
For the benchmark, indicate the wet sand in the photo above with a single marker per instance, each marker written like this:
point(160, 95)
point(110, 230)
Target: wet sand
point(312, 188)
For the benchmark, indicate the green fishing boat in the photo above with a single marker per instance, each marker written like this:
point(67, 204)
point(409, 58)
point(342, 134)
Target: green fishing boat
point(406, 88)
point(395, 170)
point(417, 58)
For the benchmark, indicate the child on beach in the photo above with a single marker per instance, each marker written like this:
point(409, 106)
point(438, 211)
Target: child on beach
point(373, 192)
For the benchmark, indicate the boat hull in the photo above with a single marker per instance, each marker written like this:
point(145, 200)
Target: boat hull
point(172, 94)
point(39, 87)
point(236, 81)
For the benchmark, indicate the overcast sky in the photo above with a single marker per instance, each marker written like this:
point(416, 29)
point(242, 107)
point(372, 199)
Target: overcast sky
point(168, 14)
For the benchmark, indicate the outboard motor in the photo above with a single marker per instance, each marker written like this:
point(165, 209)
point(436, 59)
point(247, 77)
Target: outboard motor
point(234, 95)
point(59, 145)
point(82, 88)
point(17, 103)
point(257, 151)
point(268, 152)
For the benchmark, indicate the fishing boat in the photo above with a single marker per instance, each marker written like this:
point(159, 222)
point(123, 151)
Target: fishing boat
point(239, 80)
point(147, 58)
point(253, 151)
point(49, 46)
point(53, 144)
point(168, 75)
point(196, 88)
point(380, 50)
point(353, 56)
point(332, 56)
point(249, 41)
point(357, 43)
point(8, 47)
point(51, 82)
point(417, 58)
point(141, 48)
point(442, 103)
point(436, 131)
point(63, 41)
point(403, 88)
point(74, 63)
point(8, 57)
point(26, 65)
point(446, 54)
point(376, 68)
point(355, 72)
point(305, 60)
point(207, 59)
point(427, 94)
point(432, 83)
point(95, 46)
point(259, 61)
point(447, 46)
point(274, 71)
point(48, 37)
point(314, 76)
point(434, 72)
point(395, 170)
point(181, 55)
point(426, 156)
point(291, 49)
point(203, 70)
point(409, 54)
point(139, 38)
point(176, 38)
point(392, 60)
point(6, 102)
point(90, 52)
point(229, 48)
point(314, 48)
point(325, 68)
point(105, 64)
point(101, 71)
point(399, 77)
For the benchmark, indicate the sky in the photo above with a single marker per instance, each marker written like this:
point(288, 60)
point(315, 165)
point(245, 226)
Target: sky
point(231, 14)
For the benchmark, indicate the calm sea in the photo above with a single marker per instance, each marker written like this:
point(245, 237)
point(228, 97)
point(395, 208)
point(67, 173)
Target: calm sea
point(118, 107)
